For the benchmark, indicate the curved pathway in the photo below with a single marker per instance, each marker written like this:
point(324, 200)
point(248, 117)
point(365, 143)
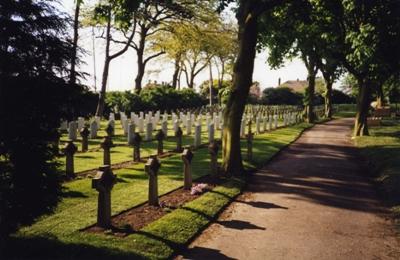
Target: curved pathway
point(310, 202)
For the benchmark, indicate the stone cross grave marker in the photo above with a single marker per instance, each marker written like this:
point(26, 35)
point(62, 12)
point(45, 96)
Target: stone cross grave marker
point(178, 135)
point(187, 157)
point(160, 136)
point(85, 136)
point(137, 139)
point(151, 168)
point(70, 149)
point(213, 150)
point(103, 182)
point(106, 145)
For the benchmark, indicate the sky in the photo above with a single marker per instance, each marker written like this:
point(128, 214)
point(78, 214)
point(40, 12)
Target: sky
point(123, 69)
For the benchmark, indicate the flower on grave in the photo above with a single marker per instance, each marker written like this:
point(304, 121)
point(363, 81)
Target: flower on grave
point(198, 188)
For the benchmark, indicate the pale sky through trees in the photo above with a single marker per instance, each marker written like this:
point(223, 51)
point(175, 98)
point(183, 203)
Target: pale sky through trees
point(123, 69)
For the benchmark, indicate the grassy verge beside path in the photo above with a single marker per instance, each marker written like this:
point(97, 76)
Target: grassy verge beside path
point(382, 150)
point(58, 236)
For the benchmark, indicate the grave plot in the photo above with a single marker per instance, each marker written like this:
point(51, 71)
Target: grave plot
point(78, 209)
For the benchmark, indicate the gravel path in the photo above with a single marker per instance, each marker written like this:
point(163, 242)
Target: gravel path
point(310, 202)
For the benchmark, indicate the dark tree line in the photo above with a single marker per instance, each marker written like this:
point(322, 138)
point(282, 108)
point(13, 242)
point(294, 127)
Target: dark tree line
point(35, 54)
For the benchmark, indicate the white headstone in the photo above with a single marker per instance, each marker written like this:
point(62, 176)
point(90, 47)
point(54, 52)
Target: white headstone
point(141, 124)
point(188, 125)
point(93, 129)
point(111, 117)
point(275, 121)
point(124, 123)
point(81, 123)
point(97, 119)
point(176, 125)
point(211, 132)
point(149, 132)
point(164, 127)
point(197, 135)
point(73, 130)
point(131, 133)
point(258, 125)
point(269, 123)
point(243, 128)
point(64, 125)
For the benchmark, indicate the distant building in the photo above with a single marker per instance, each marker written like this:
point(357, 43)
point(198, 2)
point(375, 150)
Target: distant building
point(295, 85)
point(299, 85)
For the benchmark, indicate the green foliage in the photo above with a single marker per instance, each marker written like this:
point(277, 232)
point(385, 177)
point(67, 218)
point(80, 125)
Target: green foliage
point(339, 97)
point(281, 96)
point(35, 51)
point(154, 98)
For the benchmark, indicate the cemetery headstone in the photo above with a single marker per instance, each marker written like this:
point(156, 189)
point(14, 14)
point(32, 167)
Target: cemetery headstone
point(160, 138)
point(103, 182)
point(137, 139)
point(106, 144)
point(85, 136)
point(72, 130)
point(149, 132)
point(151, 168)
point(178, 135)
point(197, 135)
point(213, 150)
point(70, 149)
point(187, 157)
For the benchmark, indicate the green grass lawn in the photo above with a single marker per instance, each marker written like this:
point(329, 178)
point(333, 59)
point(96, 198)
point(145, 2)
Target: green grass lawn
point(382, 150)
point(58, 236)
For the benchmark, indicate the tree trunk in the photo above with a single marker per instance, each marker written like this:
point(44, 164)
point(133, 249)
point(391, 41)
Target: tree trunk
point(242, 80)
point(176, 73)
point(380, 99)
point(140, 72)
point(102, 94)
point(360, 124)
point(191, 80)
point(309, 104)
point(328, 99)
point(140, 61)
point(72, 78)
point(211, 85)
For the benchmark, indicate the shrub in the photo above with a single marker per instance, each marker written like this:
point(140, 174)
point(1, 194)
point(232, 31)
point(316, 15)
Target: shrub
point(155, 98)
point(281, 96)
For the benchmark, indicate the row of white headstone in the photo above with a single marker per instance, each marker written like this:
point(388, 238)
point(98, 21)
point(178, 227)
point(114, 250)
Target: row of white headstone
point(147, 123)
point(73, 127)
point(268, 123)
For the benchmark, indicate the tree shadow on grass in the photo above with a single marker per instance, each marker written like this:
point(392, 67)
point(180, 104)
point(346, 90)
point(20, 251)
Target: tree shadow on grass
point(46, 248)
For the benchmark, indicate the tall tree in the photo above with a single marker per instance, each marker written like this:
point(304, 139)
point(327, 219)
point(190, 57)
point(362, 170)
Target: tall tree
point(109, 14)
point(370, 41)
point(152, 18)
point(247, 15)
point(35, 52)
point(72, 77)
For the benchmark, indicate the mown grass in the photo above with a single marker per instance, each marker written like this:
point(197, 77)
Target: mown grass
point(382, 150)
point(58, 236)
